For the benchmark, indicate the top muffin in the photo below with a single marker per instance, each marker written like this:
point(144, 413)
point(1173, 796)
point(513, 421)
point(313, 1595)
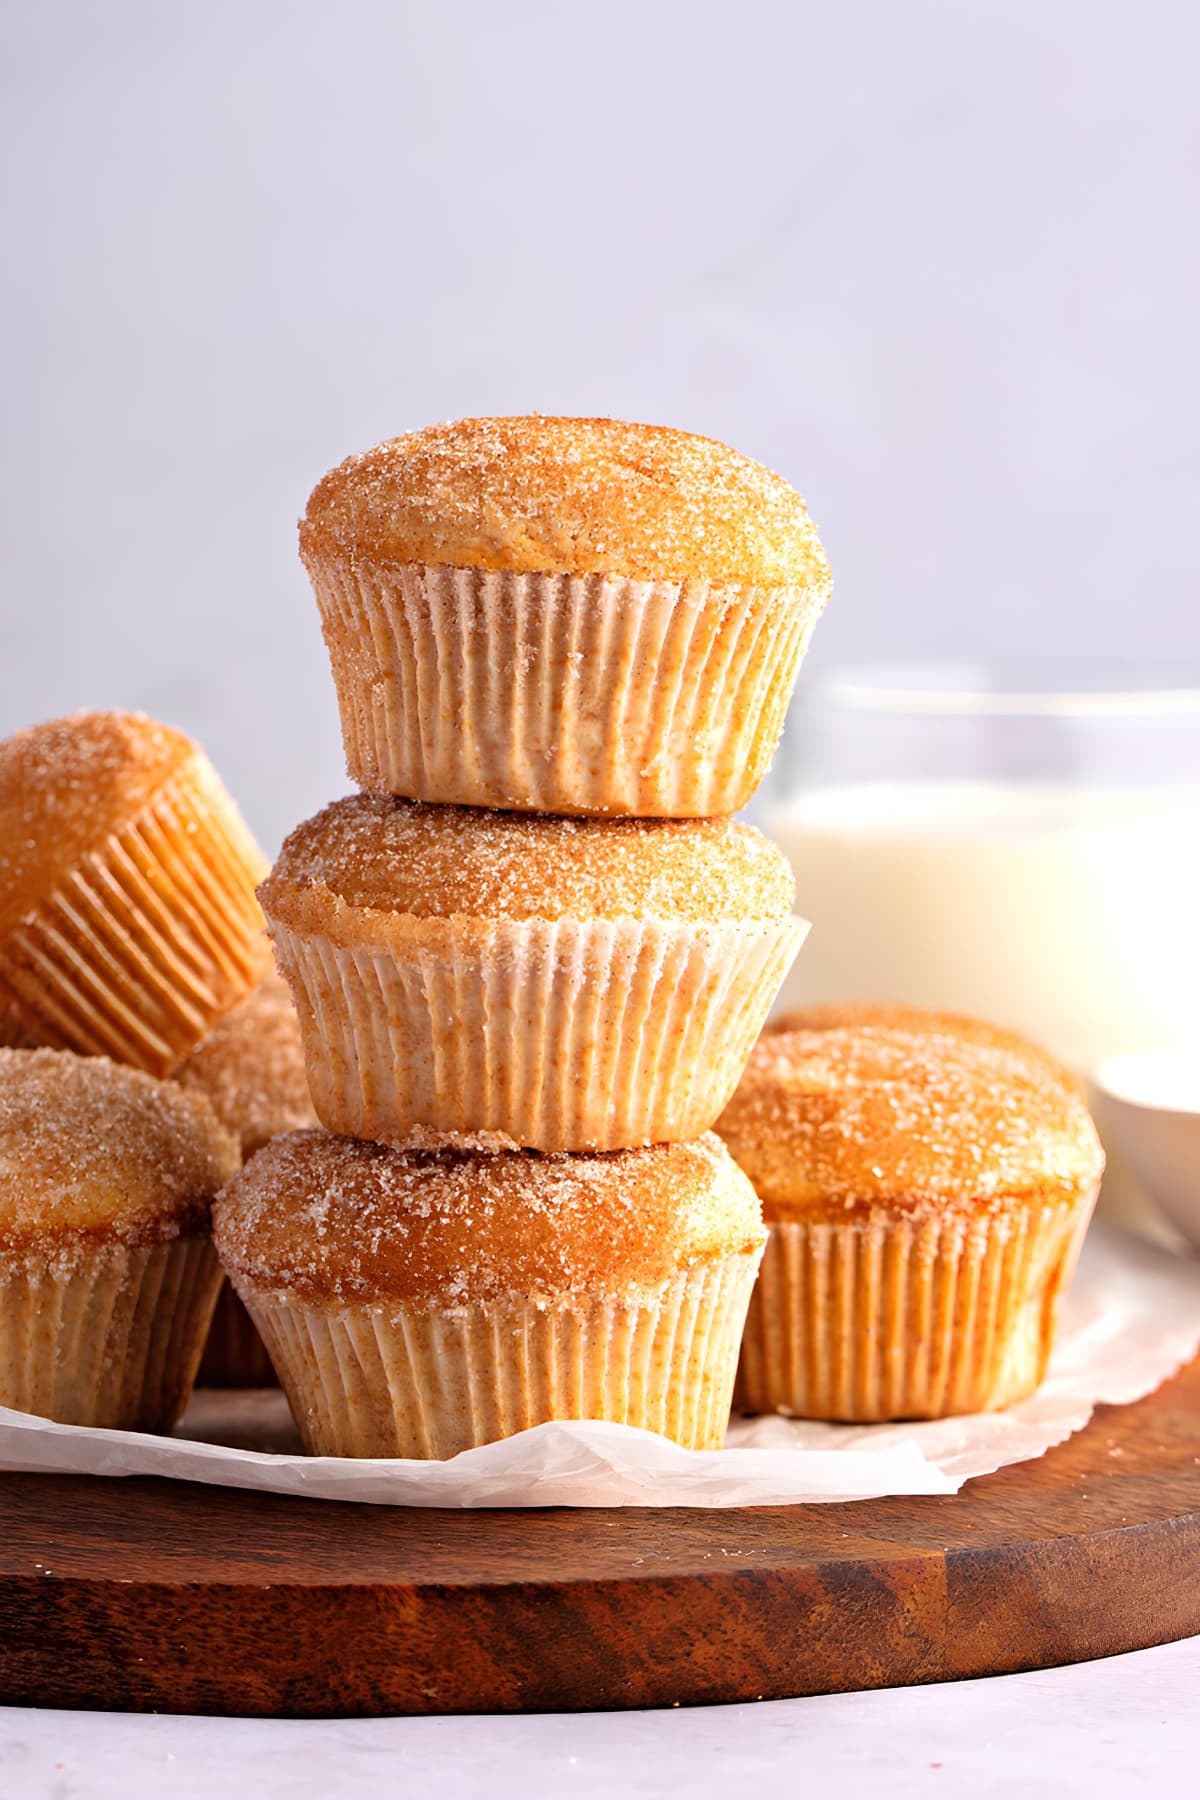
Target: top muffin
point(562, 615)
point(572, 497)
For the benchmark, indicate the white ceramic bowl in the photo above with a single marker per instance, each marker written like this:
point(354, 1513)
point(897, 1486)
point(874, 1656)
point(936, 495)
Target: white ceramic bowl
point(1148, 1105)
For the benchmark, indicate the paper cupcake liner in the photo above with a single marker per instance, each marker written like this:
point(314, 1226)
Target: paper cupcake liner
point(106, 1335)
point(567, 1035)
point(234, 1354)
point(559, 693)
point(386, 1379)
point(907, 1318)
point(151, 939)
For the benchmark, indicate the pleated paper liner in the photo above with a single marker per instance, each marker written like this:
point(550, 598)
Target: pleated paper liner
point(894, 1318)
point(14, 1032)
point(106, 1335)
point(559, 693)
point(566, 1035)
point(385, 1379)
point(152, 939)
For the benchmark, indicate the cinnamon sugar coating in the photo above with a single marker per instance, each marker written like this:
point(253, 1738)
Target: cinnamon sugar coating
point(844, 1120)
point(66, 786)
point(91, 1150)
point(332, 1218)
point(251, 1068)
point(570, 496)
point(375, 853)
point(867, 1015)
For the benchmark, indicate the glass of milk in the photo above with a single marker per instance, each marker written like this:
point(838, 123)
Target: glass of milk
point(1017, 840)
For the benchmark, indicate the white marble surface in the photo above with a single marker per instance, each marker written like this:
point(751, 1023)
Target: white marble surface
point(1127, 1726)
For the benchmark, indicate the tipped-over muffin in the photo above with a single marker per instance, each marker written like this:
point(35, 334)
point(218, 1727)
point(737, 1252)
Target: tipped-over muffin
point(128, 923)
point(418, 1303)
point(107, 1272)
point(562, 615)
point(14, 1033)
point(251, 1068)
point(508, 979)
point(926, 1193)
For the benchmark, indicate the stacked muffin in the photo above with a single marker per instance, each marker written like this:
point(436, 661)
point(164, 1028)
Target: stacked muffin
point(128, 928)
point(531, 957)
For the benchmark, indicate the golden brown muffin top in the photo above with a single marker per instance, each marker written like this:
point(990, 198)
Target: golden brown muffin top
point(331, 1218)
point(66, 786)
point(868, 1015)
point(893, 1119)
point(92, 1150)
point(568, 496)
point(378, 854)
point(251, 1068)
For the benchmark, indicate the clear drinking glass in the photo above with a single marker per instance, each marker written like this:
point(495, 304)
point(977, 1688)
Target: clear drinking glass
point(1019, 840)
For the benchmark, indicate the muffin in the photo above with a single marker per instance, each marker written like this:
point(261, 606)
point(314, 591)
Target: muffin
point(497, 979)
point(419, 1303)
point(926, 1195)
point(128, 923)
point(251, 1068)
point(107, 1271)
point(868, 1015)
point(14, 1035)
point(562, 615)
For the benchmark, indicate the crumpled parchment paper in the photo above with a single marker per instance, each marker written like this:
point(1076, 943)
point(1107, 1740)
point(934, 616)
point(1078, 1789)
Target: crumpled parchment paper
point(1132, 1319)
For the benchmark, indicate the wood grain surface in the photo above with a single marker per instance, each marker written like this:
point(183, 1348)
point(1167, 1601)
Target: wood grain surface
point(166, 1596)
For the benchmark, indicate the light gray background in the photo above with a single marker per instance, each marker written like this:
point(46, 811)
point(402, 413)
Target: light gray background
point(937, 263)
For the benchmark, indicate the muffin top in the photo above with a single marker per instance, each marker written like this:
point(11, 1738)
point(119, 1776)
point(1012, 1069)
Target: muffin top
point(901, 1119)
point(251, 1068)
point(373, 853)
point(568, 496)
point(66, 786)
point(332, 1218)
point(92, 1150)
point(866, 1015)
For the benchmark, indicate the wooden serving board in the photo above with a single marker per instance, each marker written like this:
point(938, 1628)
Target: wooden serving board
point(157, 1595)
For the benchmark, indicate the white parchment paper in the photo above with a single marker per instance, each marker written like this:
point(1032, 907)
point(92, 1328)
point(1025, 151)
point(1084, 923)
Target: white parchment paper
point(1132, 1319)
